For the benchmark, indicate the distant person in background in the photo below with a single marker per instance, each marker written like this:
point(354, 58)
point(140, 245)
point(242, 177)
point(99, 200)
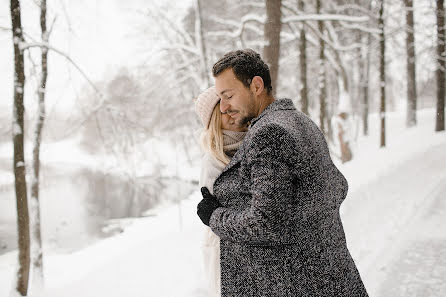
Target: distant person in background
point(343, 127)
point(220, 140)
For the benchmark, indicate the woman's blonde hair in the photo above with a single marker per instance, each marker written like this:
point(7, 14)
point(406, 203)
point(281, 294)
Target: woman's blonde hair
point(212, 137)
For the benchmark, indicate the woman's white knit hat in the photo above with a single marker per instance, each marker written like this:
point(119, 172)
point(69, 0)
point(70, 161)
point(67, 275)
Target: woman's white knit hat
point(205, 104)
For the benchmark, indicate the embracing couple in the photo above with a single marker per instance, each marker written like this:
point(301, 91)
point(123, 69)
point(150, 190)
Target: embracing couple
point(271, 193)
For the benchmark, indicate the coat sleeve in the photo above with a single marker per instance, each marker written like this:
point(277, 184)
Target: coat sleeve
point(270, 216)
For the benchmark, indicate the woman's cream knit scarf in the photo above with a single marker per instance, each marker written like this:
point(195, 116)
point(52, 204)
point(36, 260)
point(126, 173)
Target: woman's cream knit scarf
point(232, 141)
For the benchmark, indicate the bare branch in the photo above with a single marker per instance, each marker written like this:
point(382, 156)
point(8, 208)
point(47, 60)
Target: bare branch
point(325, 17)
point(160, 14)
point(286, 6)
point(237, 33)
point(253, 18)
point(356, 7)
point(23, 46)
point(253, 4)
point(333, 44)
point(52, 26)
point(178, 46)
point(336, 66)
point(67, 17)
point(245, 23)
point(354, 26)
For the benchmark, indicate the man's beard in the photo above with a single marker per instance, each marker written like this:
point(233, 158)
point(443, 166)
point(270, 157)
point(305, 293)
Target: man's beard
point(244, 121)
point(251, 115)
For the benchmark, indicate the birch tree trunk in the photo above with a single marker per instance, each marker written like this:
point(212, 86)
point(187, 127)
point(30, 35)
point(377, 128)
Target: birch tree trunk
point(19, 158)
point(441, 56)
point(411, 116)
point(303, 64)
point(382, 75)
point(37, 251)
point(272, 30)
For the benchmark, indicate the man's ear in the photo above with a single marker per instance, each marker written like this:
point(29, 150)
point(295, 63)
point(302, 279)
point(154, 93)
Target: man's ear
point(257, 85)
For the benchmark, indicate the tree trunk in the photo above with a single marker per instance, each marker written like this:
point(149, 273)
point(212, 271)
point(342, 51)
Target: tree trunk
point(19, 157)
point(322, 78)
point(382, 74)
point(37, 251)
point(272, 30)
point(411, 116)
point(201, 44)
point(439, 123)
point(365, 58)
point(303, 64)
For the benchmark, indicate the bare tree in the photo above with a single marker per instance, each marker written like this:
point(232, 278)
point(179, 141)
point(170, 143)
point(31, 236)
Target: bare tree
point(365, 55)
point(365, 67)
point(411, 116)
point(441, 56)
point(272, 30)
point(303, 64)
point(382, 75)
point(19, 158)
point(36, 235)
point(322, 73)
point(201, 42)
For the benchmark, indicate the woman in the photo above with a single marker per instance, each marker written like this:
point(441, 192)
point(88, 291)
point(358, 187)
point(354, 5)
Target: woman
point(220, 140)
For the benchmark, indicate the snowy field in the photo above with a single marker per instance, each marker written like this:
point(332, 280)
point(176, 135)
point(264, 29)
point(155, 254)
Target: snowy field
point(394, 218)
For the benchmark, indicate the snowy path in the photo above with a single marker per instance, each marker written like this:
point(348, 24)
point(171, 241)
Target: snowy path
point(419, 266)
point(390, 224)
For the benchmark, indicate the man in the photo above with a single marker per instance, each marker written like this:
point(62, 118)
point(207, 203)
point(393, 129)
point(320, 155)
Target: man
point(276, 204)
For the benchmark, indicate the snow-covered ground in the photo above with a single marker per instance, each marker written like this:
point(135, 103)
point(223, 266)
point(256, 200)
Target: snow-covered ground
point(392, 217)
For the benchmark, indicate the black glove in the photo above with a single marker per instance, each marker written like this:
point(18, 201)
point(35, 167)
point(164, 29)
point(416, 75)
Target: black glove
point(207, 206)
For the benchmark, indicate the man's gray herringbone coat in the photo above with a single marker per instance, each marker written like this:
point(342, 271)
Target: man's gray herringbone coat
point(280, 228)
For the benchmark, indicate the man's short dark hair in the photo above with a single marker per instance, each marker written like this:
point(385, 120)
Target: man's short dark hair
point(246, 64)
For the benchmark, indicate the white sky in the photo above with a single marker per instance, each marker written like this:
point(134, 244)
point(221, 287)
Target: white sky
point(103, 37)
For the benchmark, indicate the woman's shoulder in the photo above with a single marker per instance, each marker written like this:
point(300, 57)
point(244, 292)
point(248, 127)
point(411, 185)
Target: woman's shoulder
point(210, 169)
point(208, 160)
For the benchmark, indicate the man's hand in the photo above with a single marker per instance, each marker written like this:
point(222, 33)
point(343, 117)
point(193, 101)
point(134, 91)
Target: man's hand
point(207, 206)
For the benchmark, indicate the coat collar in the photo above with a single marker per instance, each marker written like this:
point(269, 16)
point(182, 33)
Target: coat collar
point(278, 104)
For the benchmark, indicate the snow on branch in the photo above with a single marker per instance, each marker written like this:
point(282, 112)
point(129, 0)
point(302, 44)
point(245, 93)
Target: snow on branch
point(27, 45)
point(226, 22)
point(336, 65)
point(373, 31)
point(245, 23)
point(236, 33)
point(189, 49)
point(325, 17)
point(355, 7)
point(333, 42)
point(188, 39)
point(253, 18)
point(249, 18)
point(347, 25)
point(286, 6)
